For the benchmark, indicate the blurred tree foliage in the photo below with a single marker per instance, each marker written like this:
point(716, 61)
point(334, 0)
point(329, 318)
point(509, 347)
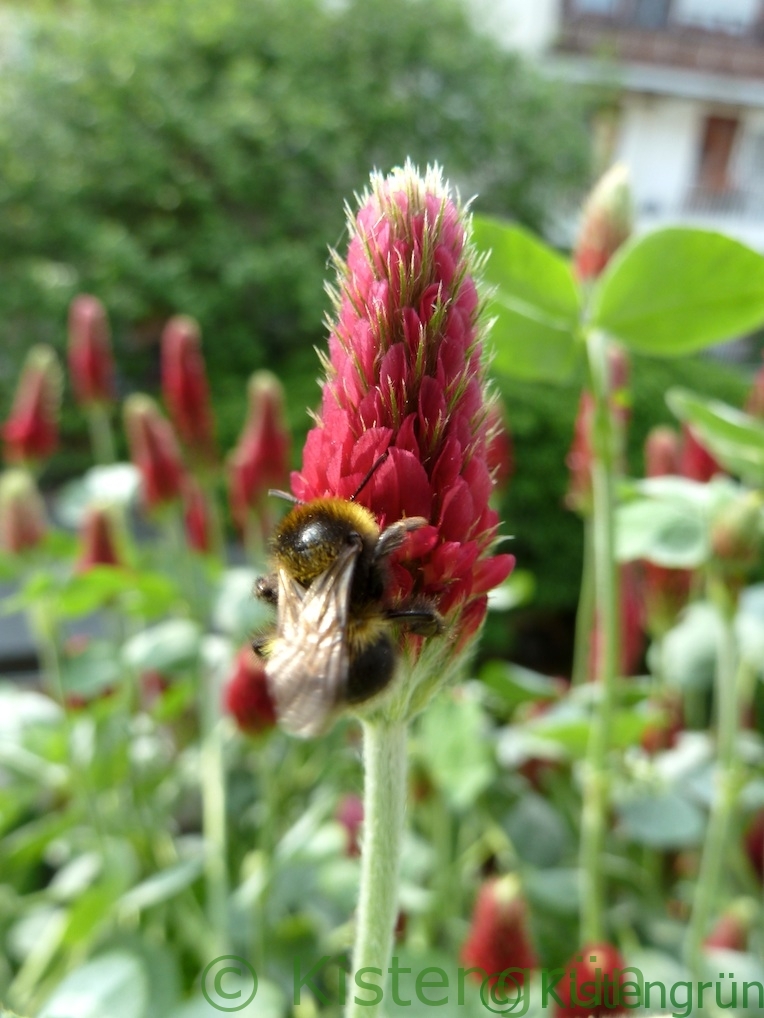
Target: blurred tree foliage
point(178, 155)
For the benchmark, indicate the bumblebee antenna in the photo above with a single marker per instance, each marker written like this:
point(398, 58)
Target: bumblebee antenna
point(277, 493)
point(372, 470)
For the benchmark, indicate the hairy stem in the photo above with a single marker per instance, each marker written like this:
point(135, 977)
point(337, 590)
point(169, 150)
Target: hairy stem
point(607, 608)
point(384, 808)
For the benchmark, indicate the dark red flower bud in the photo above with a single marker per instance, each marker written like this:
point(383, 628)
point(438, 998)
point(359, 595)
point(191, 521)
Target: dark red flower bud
point(261, 458)
point(196, 517)
point(154, 451)
point(733, 927)
point(591, 984)
point(185, 389)
point(31, 431)
point(754, 844)
point(350, 815)
point(662, 452)
point(98, 544)
point(736, 530)
point(23, 520)
point(606, 222)
point(247, 696)
point(91, 366)
point(499, 937)
point(696, 461)
point(664, 734)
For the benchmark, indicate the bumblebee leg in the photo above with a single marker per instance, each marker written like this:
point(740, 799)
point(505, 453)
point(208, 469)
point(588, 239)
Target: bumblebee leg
point(418, 617)
point(260, 645)
point(266, 588)
point(392, 537)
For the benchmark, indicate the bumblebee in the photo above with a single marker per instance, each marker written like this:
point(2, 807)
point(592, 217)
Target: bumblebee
point(333, 645)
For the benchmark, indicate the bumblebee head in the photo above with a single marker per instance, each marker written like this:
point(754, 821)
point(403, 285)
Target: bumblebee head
point(311, 536)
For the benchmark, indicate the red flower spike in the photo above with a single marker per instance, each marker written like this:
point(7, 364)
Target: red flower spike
point(196, 518)
point(246, 695)
point(260, 460)
point(733, 927)
point(350, 814)
point(31, 431)
point(499, 937)
point(591, 984)
point(696, 461)
point(405, 379)
point(606, 222)
point(662, 452)
point(23, 521)
point(91, 366)
point(185, 388)
point(154, 451)
point(98, 541)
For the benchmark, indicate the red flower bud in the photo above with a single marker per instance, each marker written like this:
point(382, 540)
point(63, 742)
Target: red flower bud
point(696, 461)
point(91, 367)
point(664, 735)
point(405, 380)
point(662, 452)
point(732, 928)
point(185, 389)
point(754, 844)
point(499, 937)
point(606, 222)
point(31, 431)
point(247, 696)
point(196, 517)
point(591, 984)
point(736, 530)
point(261, 458)
point(154, 451)
point(98, 541)
point(350, 815)
point(23, 521)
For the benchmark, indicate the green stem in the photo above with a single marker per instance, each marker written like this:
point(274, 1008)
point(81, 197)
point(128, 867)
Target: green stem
point(384, 808)
point(101, 434)
point(729, 678)
point(214, 814)
point(585, 612)
point(596, 783)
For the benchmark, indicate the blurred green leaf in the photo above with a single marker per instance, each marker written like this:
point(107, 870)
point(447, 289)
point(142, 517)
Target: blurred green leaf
point(535, 301)
point(689, 650)
point(665, 820)
point(164, 647)
point(678, 290)
point(572, 733)
point(111, 986)
point(518, 589)
point(539, 834)
point(515, 684)
point(735, 438)
point(452, 744)
point(160, 887)
point(668, 533)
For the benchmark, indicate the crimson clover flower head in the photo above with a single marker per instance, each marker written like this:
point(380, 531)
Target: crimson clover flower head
point(405, 378)
point(99, 542)
point(31, 431)
point(91, 364)
point(154, 450)
point(499, 936)
point(185, 387)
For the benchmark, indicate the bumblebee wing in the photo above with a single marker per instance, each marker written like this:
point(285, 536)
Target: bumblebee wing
point(308, 663)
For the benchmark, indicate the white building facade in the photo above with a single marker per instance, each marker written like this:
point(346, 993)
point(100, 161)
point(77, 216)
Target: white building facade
point(687, 80)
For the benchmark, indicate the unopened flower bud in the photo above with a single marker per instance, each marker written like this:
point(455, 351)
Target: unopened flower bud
point(154, 451)
point(733, 927)
point(350, 815)
point(754, 844)
point(696, 461)
point(736, 530)
point(584, 973)
point(662, 452)
point(91, 366)
point(246, 695)
point(196, 518)
point(185, 388)
point(607, 221)
point(499, 936)
point(261, 458)
point(23, 520)
point(31, 431)
point(99, 544)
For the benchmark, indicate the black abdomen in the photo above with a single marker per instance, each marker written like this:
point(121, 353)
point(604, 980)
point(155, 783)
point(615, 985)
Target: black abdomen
point(371, 670)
